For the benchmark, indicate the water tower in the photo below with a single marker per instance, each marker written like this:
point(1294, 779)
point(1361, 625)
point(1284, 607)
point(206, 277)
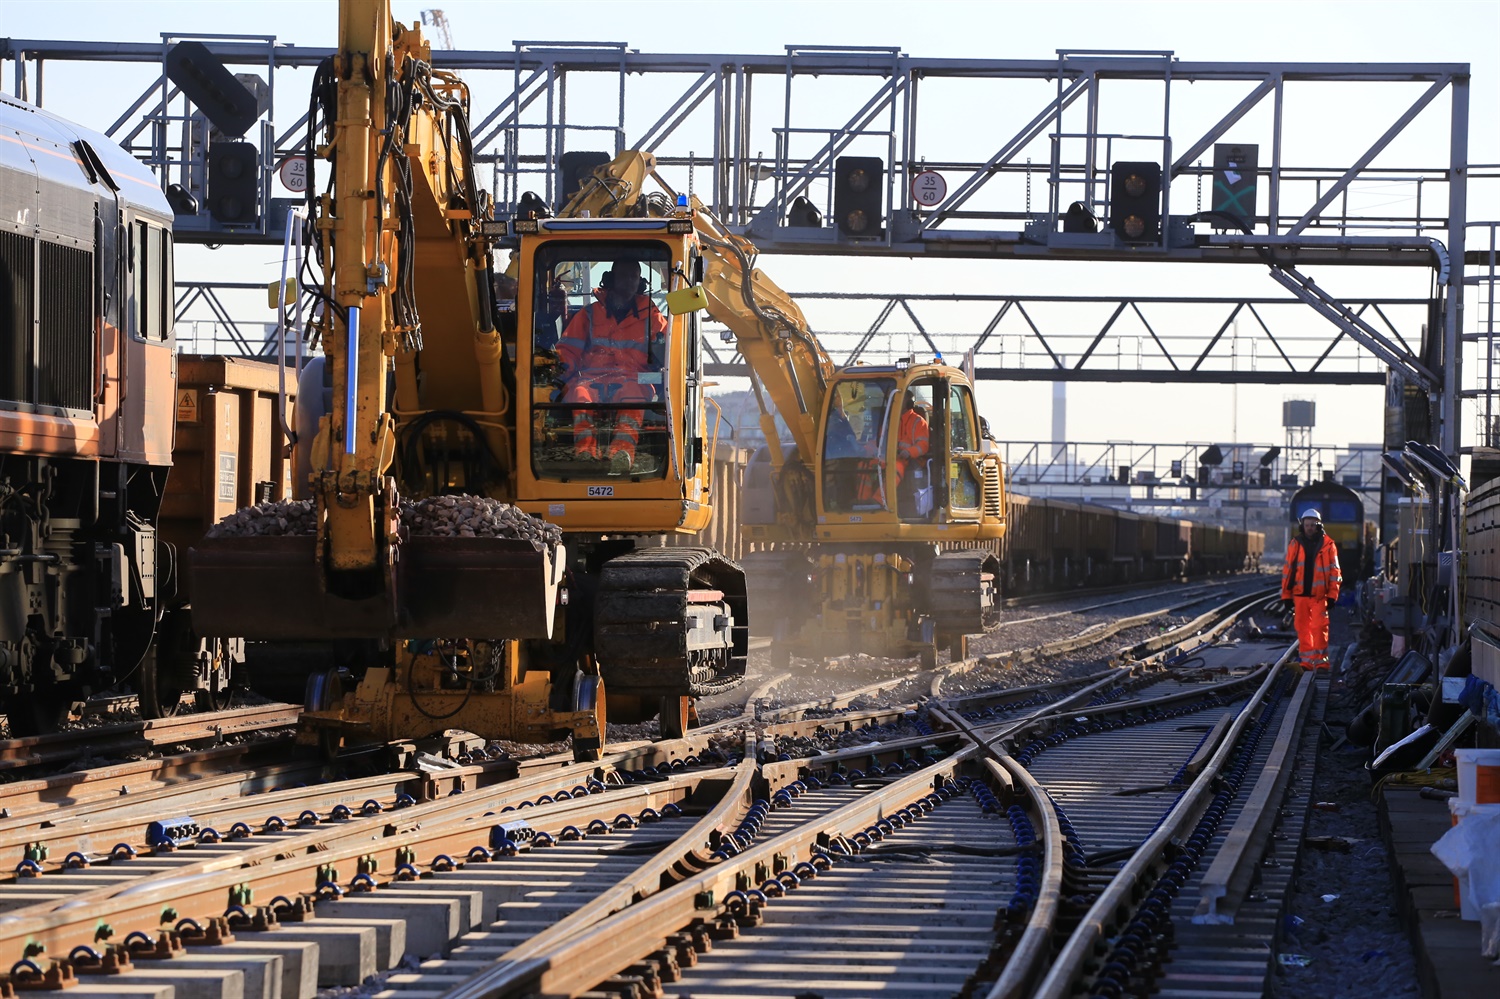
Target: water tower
point(1298, 417)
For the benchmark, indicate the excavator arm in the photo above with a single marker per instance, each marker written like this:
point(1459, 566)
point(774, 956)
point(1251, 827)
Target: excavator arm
point(400, 219)
point(403, 198)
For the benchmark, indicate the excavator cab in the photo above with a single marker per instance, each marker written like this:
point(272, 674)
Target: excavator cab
point(612, 431)
point(902, 449)
point(598, 341)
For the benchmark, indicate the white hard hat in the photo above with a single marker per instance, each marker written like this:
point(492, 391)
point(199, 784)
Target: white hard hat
point(1314, 513)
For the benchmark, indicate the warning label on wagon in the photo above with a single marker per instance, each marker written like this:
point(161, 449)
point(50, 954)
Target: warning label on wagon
point(187, 405)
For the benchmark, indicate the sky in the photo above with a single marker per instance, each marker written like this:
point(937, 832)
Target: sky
point(1269, 31)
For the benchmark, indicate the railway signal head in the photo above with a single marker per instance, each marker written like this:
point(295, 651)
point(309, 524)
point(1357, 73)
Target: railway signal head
point(575, 169)
point(1135, 201)
point(234, 183)
point(212, 88)
point(858, 196)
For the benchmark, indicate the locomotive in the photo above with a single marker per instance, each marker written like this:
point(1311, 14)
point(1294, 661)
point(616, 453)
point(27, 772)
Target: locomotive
point(1344, 519)
point(88, 590)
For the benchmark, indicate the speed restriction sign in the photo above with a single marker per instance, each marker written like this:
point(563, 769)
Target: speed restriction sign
point(293, 173)
point(928, 188)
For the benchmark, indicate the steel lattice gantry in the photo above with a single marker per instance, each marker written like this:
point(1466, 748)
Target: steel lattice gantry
point(1361, 165)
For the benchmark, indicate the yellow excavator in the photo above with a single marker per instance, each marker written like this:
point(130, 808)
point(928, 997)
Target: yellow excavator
point(877, 530)
point(437, 398)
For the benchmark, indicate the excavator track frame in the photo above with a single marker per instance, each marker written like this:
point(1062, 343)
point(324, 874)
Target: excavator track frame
point(657, 632)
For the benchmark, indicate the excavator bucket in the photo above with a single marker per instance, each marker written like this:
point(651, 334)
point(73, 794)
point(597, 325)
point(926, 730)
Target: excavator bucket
point(271, 589)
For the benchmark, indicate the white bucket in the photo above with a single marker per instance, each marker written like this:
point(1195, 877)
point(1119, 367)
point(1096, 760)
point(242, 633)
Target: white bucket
point(1478, 776)
point(1462, 893)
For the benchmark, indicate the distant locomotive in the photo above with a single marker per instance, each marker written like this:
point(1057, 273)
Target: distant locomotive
point(87, 380)
point(1343, 515)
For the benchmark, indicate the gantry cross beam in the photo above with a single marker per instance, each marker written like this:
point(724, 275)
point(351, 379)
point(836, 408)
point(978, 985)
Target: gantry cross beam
point(1015, 142)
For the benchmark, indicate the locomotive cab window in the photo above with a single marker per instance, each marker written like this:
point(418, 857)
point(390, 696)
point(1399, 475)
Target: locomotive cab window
point(600, 361)
point(150, 282)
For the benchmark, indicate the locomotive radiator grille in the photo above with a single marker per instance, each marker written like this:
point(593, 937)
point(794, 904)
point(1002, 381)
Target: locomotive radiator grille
point(17, 283)
point(65, 355)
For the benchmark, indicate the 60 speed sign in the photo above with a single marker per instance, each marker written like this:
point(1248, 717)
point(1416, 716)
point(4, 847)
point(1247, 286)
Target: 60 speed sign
point(928, 188)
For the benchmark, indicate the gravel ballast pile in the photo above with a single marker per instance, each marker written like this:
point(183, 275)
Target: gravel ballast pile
point(282, 518)
point(476, 517)
point(435, 516)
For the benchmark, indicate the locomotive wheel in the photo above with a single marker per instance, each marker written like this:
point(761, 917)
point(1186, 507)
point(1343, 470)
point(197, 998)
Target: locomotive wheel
point(588, 695)
point(678, 715)
point(160, 696)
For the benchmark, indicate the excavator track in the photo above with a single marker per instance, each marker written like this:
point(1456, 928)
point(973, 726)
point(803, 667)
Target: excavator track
point(671, 622)
point(963, 592)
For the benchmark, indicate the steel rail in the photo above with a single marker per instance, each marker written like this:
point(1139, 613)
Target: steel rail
point(1005, 695)
point(59, 747)
point(65, 834)
point(1148, 861)
point(209, 888)
point(436, 813)
point(1227, 880)
point(589, 957)
point(1088, 608)
point(1092, 635)
point(1034, 947)
point(656, 874)
point(1215, 622)
point(103, 786)
point(568, 962)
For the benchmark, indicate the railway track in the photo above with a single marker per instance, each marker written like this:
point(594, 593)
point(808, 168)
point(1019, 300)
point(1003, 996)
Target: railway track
point(924, 846)
point(58, 748)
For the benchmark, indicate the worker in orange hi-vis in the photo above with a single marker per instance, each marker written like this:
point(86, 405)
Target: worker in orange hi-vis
point(604, 351)
point(911, 436)
point(1310, 580)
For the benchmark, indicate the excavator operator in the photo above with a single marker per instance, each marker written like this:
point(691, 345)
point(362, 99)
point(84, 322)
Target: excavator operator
point(912, 437)
point(913, 445)
point(603, 351)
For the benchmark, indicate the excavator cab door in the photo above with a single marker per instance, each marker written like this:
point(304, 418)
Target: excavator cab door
point(857, 439)
point(961, 467)
point(692, 422)
point(916, 451)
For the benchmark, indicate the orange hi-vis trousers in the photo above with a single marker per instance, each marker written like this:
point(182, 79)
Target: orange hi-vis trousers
point(611, 387)
point(1312, 631)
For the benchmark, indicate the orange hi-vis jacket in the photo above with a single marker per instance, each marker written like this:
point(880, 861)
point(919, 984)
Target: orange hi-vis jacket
point(596, 340)
point(1326, 579)
point(912, 440)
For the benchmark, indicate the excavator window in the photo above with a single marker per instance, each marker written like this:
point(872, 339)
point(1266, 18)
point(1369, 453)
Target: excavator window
point(963, 487)
point(600, 360)
point(915, 449)
point(854, 445)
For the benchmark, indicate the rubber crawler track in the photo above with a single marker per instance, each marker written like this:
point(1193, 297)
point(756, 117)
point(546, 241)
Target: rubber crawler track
point(641, 623)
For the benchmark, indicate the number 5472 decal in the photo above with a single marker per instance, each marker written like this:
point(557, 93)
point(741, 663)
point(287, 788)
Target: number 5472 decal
point(601, 492)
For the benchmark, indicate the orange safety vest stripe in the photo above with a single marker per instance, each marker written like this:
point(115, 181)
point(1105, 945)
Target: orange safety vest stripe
point(595, 339)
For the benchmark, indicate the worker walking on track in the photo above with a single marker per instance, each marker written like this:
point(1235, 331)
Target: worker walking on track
point(1311, 579)
point(604, 350)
